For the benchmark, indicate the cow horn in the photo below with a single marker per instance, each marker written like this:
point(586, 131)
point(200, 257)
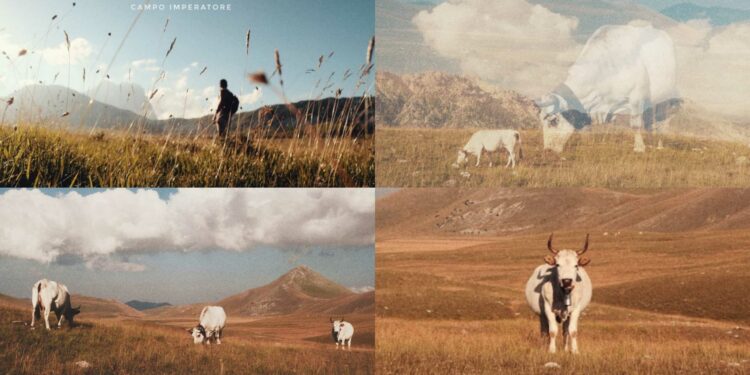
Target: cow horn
point(549, 244)
point(331, 319)
point(585, 245)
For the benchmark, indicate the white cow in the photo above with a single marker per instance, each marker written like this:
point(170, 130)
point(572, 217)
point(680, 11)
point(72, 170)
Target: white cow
point(622, 70)
point(49, 296)
point(212, 321)
point(341, 332)
point(492, 141)
point(559, 291)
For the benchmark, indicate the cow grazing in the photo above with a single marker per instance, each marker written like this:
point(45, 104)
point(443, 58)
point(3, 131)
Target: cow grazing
point(212, 321)
point(341, 332)
point(622, 70)
point(559, 291)
point(49, 296)
point(491, 141)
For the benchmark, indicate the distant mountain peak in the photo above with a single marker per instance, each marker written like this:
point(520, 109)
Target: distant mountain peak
point(144, 305)
point(299, 287)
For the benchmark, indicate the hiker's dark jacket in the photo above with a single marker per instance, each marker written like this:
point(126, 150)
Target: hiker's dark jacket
point(223, 110)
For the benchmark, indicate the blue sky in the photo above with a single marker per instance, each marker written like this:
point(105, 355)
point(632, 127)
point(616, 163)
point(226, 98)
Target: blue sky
point(184, 245)
point(654, 4)
point(302, 31)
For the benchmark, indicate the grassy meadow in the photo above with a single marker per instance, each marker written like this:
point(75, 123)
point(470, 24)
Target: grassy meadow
point(36, 156)
point(596, 158)
point(130, 347)
point(662, 304)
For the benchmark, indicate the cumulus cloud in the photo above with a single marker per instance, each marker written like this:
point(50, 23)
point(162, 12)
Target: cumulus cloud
point(713, 65)
point(511, 43)
point(101, 229)
point(251, 98)
point(80, 50)
point(516, 45)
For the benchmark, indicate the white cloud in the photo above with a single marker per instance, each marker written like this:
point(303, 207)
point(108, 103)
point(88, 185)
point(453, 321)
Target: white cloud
point(181, 82)
point(713, 65)
point(101, 228)
point(80, 50)
point(516, 45)
point(251, 98)
point(511, 43)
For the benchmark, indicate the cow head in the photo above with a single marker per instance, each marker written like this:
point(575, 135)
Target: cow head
point(462, 158)
point(555, 128)
point(72, 312)
point(567, 263)
point(198, 333)
point(337, 324)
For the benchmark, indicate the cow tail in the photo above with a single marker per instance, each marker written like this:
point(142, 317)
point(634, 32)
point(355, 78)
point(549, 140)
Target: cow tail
point(518, 144)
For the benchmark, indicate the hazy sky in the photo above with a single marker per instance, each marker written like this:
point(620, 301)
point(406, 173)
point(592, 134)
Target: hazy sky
point(183, 246)
point(302, 31)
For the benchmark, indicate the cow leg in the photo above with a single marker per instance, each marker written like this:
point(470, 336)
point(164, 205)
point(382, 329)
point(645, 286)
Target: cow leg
point(479, 156)
point(566, 334)
point(218, 337)
point(46, 318)
point(636, 122)
point(511, 159)
point(350, 343)
point(60, 317)
point(552, 327)
point(544, 327)
point(34, 314)
point(574, 331)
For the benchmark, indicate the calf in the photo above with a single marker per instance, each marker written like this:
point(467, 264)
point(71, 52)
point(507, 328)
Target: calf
point(492, 141)
point(49, 296)
point(212, 321)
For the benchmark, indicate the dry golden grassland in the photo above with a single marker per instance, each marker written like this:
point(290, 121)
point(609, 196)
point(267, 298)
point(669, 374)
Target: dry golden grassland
point(602, 157)
point(130, 347)
point(664, 303)
point(39, 157)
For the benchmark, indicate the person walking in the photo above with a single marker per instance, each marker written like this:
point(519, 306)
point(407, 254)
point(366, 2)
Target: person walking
point(228, 106)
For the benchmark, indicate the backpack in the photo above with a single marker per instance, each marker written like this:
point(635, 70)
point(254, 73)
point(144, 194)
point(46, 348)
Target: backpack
point(234, 104)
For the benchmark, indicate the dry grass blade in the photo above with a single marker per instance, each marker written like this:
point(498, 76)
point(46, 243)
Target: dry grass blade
point(22, 52)
point(277, 59)
point(54, 17)
point(165, 25)
point(370, 50)
point(247, 42)
point(67, 40)
point(153, 94)
point(203, 71)
point(10, 101)
point(66, 113)
point(171, 46)
point(258, 77)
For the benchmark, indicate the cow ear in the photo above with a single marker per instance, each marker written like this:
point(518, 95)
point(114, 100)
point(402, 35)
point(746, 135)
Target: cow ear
point(582, 261)
point(190, 330)
point(549, 259)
